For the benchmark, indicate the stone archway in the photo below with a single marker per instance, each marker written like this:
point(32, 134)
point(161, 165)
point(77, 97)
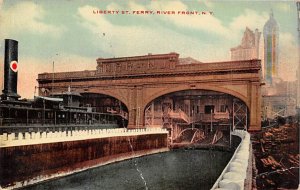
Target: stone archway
point(138, 80)
point(104, 103)
point(189, 106)
point(230, 91)
point(119, 95)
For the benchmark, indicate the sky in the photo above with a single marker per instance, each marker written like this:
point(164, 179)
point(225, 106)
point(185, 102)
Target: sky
point(73, 34)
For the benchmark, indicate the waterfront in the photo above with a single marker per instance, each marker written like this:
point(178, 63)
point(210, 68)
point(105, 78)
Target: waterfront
point(177, 169)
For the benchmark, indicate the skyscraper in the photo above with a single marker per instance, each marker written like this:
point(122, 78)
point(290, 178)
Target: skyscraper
point(271, 36)
point(249, 47)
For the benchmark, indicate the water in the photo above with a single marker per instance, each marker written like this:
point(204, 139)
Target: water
point(179, 169)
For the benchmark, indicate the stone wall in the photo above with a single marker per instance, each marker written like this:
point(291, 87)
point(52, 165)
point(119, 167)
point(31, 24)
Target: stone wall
point(27, 164)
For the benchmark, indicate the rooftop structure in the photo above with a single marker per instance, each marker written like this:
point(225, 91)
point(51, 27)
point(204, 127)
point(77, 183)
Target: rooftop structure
point(249, 47)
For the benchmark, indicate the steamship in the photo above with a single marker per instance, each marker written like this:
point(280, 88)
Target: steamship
point(45, 112)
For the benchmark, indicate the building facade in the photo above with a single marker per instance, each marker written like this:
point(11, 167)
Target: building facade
point(249, 47)
point(279, 99)
point(141, 87)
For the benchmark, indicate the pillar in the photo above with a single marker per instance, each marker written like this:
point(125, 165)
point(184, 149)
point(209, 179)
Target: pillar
point(136, 107)
point(255, 107)
point(131, 108)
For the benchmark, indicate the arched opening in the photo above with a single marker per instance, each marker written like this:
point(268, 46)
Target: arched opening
point(111, 109)
point(206, 110)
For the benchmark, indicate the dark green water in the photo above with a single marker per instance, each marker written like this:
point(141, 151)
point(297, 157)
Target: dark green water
point(179, 169)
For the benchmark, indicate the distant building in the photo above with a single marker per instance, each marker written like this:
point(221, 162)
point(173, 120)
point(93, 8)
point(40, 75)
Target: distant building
point(279, 99)
point(249, 48)
point(188, 60)
point(271, 36)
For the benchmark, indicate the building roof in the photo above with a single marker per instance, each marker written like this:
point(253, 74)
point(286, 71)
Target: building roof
point(271, 24)
point(68, 93)
point(49, 99)
point(188, 60)
point(138, 58)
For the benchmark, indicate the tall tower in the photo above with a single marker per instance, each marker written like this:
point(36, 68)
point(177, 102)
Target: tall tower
point(271, 36)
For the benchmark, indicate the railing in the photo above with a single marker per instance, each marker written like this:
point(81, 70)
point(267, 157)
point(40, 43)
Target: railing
point(27, 138)
point(210, 117)
point(58, 121)
point(121, 113)
point(235, 172)
point(179, 115)
point(221, 115)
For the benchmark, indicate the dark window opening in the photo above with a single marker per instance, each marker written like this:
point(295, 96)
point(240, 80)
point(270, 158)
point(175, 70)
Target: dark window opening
point(209, 109)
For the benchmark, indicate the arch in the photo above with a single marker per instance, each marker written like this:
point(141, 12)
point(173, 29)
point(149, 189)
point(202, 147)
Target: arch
point(202, 87)
point(105, 103)
point(112, 94)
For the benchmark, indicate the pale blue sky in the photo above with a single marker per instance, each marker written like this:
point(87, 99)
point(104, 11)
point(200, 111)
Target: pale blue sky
point(68, 33)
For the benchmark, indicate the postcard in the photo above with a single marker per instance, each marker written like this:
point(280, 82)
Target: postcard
point(149, 94)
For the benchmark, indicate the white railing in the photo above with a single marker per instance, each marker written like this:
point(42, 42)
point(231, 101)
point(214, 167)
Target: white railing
point(235, 172)
point(27, 138)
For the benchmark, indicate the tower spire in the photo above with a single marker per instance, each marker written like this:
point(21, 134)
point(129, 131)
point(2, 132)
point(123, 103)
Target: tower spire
point(271, 13)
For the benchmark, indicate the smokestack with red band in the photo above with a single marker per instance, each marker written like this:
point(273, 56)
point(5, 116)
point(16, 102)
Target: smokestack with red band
point(10, 70)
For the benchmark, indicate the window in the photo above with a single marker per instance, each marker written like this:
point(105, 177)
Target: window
point(223, 108)
point(209, 109)
point(50, 115)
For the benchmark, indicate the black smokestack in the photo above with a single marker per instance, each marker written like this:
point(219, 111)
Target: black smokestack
point(10, 70)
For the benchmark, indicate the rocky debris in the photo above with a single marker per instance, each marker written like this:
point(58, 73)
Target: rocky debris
point(276, 151)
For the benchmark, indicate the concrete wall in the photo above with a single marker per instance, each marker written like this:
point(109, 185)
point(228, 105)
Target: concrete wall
point(28, 164)
point(238, 172)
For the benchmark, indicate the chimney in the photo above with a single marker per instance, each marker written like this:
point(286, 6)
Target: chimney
point(10, 70)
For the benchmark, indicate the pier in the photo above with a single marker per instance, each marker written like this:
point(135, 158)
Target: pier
point(127, 108)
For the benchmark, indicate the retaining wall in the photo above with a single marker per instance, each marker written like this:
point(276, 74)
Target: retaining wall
point(237, 175)
point(22, 165)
